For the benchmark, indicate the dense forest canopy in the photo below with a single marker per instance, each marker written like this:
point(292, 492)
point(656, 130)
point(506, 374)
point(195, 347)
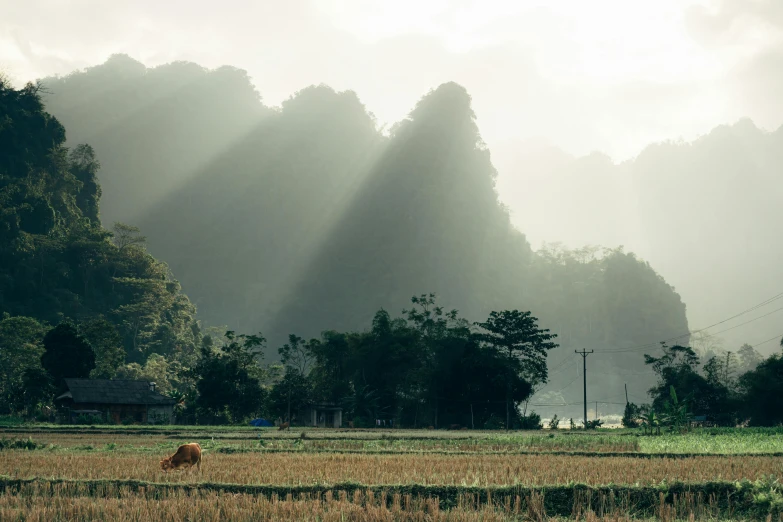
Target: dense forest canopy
point(306, 217)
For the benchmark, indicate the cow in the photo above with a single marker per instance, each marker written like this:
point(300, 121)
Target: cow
point(284, 426)
point(187, 456)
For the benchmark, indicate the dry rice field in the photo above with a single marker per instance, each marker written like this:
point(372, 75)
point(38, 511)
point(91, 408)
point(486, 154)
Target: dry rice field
point(315, 468)
point(58, 505)
point(98, 474)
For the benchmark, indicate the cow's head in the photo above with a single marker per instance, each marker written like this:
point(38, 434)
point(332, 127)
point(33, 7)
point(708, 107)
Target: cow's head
point(166, 464)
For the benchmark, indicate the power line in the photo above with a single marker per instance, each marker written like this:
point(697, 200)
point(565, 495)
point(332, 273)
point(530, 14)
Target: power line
point(746, 322)
point(778, 336)
point(567, 385)
point(751, 309)
point(554, 369)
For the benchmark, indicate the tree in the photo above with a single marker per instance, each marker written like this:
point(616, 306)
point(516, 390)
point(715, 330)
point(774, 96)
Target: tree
point(228, 381)
point(289, 395)
point(21, 348)
point(85, 167)
point(298, 353)
point(66, 354)
point(706, 345)
point(335, 365)
point(127, 236)
point(649, 419)
point(517, 335)
point(749, 358)
point(676, 413)
point(107, 345)
point(630, 415)
point(156, 369)
point(710, 394)
point(762, 389)
point(38, 388)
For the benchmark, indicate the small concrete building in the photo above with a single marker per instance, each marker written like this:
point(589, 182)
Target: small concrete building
point(116, 401)
point(322, 416)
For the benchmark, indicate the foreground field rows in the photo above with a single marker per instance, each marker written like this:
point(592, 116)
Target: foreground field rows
point(315, 468)
point(76, 501)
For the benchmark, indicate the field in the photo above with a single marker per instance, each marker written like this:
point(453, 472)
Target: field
point(84, 473)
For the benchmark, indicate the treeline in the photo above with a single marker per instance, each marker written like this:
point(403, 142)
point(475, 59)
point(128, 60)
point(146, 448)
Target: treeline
point(307, 217)
point(724, 389)
point(429, 367)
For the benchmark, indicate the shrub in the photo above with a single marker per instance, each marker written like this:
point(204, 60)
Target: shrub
point(89, 419)
point(25, 444)
point(554, 423)
point(493, 423)
point(10, 420)
point(593, 424)
point(530, 422)
point(630, 416)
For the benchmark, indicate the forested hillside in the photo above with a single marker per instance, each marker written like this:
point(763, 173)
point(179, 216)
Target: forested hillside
point(58, 263)
point(706, 214)
point(305, 217)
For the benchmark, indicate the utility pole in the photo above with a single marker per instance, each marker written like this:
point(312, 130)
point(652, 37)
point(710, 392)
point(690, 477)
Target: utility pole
point(584, 353)
point(626, 393)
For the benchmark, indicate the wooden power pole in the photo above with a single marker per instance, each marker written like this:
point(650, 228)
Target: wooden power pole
point(584, 353)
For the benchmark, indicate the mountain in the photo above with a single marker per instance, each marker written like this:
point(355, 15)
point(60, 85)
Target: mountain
point(161, 124)
point(704, 213)
point(309, 218)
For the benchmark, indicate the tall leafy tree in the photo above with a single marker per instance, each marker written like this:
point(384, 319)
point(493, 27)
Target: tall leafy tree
point(228, 381)
point(66, 354)
point(762, 388)
point(298, 353)
point(107, 344)
point(289, 395)
point(21, 347)
point(517, 336)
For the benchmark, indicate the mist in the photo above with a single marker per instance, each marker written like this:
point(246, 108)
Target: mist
point(616, 169)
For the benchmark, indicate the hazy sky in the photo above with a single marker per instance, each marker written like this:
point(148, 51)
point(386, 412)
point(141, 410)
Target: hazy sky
point(609, 75)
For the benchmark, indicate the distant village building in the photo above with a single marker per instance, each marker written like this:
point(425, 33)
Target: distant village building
point(322, 416)
point(116, 401)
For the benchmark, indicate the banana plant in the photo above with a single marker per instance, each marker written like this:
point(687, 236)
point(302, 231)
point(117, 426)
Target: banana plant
point(650, 422)
point(677, 415)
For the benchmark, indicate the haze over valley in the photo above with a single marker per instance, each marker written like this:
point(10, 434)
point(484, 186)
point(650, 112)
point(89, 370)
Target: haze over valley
point(625, 194)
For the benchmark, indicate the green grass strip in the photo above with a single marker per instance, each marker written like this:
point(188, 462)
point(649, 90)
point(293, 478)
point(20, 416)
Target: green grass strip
point(597, 454)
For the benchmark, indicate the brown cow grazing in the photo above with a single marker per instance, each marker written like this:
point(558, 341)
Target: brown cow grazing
point(284, 426)
point(454, 427)
point(187, 456)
